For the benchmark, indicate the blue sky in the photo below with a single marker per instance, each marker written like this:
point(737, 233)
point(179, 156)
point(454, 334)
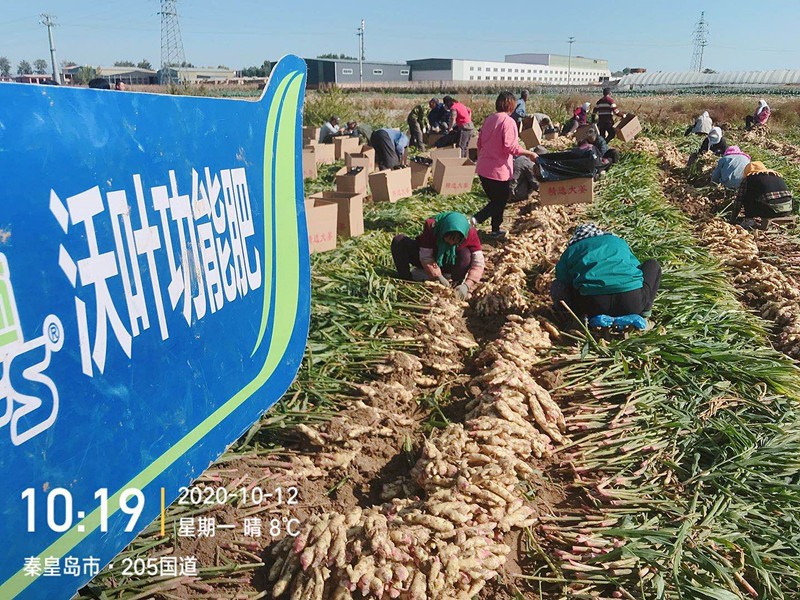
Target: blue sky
point(239, 33)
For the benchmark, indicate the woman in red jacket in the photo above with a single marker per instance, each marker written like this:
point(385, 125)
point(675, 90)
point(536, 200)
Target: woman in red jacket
point(447, 245)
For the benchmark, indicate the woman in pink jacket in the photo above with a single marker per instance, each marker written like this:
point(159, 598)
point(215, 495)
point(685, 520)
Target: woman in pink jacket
point(498, 144)
point(760, 117)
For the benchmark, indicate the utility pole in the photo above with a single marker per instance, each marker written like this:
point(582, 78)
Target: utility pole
point(360, 34)
point(700, 43)
point(571, 40)
point(50, 22)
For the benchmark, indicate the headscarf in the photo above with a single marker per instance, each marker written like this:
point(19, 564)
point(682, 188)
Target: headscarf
point(757, 168)
point(586, 106)
point(735, 150)
point(762, 104)
point(448, 222)
point(705, 114)
point(585, 231)
point(714, 136)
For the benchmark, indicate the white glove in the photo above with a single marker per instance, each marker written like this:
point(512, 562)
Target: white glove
point(462, 291)
point(443, 280)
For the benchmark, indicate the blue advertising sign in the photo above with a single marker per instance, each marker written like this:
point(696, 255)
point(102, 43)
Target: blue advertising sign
point(154, 302)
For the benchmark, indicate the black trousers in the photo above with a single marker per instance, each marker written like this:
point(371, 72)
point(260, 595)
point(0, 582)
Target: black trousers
point(498, 193)
point(605, 125)
point(405, 253)
point(634, 302)
point(385, 153)
point(458, 136)
point(415, 133)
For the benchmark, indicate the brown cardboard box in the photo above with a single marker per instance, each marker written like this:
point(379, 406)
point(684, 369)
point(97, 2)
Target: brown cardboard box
point(532, 137)
point(450, 152)
point(453, 176)
point(309, 163)
point(532, 125)
point(436, 153)
point(420, 173)
point(344, 144)
point(568, 191)
point(321, 220)
point(358, 160)
point(351, 184)
point(369, 151)
point(628, 128)
point(350, 220)
point(324, 153)
point(311, 134)
point(472, 149)
point(390, 186)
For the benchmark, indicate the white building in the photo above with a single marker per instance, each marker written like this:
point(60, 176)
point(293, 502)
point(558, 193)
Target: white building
point(544, 69)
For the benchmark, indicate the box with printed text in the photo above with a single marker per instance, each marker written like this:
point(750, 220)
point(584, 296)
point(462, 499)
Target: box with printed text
point(390, 185)
point(453, 176)
point(321, 222)
point(350, 219)
point(567, 191)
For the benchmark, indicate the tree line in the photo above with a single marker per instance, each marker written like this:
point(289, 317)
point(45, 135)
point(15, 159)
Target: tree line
point(85, 73)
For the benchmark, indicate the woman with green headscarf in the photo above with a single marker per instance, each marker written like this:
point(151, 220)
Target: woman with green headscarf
point(448, 244)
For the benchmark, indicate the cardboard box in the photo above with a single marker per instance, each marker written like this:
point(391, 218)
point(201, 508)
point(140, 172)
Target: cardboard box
point(311, 134)
point(358, 160)
point(350, 219)
point(436, 153)
point(344, 144)
point(420, 172)
point(453, 176)
point(531, 125)
point(568, 191)
point(324, 153)
point(351, 184)
point(391, 185)
point(309, 163)
point(532, 137)
point(321, 222)
point(472, 149)
point(370, 152)
point(450, 152)
point(628, 128)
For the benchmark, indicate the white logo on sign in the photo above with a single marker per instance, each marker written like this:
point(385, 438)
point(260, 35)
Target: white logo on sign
point(25, 361)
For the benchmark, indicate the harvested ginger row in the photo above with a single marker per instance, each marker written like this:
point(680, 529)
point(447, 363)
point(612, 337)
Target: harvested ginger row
point(448, 544)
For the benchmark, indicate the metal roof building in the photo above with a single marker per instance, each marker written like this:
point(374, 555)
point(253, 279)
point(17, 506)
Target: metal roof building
point(675, 79)
point(341, 70)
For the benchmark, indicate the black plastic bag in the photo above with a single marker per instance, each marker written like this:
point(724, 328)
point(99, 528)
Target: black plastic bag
point(557, 166)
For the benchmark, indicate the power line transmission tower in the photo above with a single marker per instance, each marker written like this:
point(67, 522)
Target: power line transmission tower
point(700, 42)
point(171, 41)
point(49, 21)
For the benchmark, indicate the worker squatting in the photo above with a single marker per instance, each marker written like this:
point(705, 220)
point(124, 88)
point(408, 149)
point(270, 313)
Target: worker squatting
point(201, 241)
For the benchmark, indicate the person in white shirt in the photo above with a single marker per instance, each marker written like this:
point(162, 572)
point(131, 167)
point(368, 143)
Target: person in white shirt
point(702, 125)
point(329, 130)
